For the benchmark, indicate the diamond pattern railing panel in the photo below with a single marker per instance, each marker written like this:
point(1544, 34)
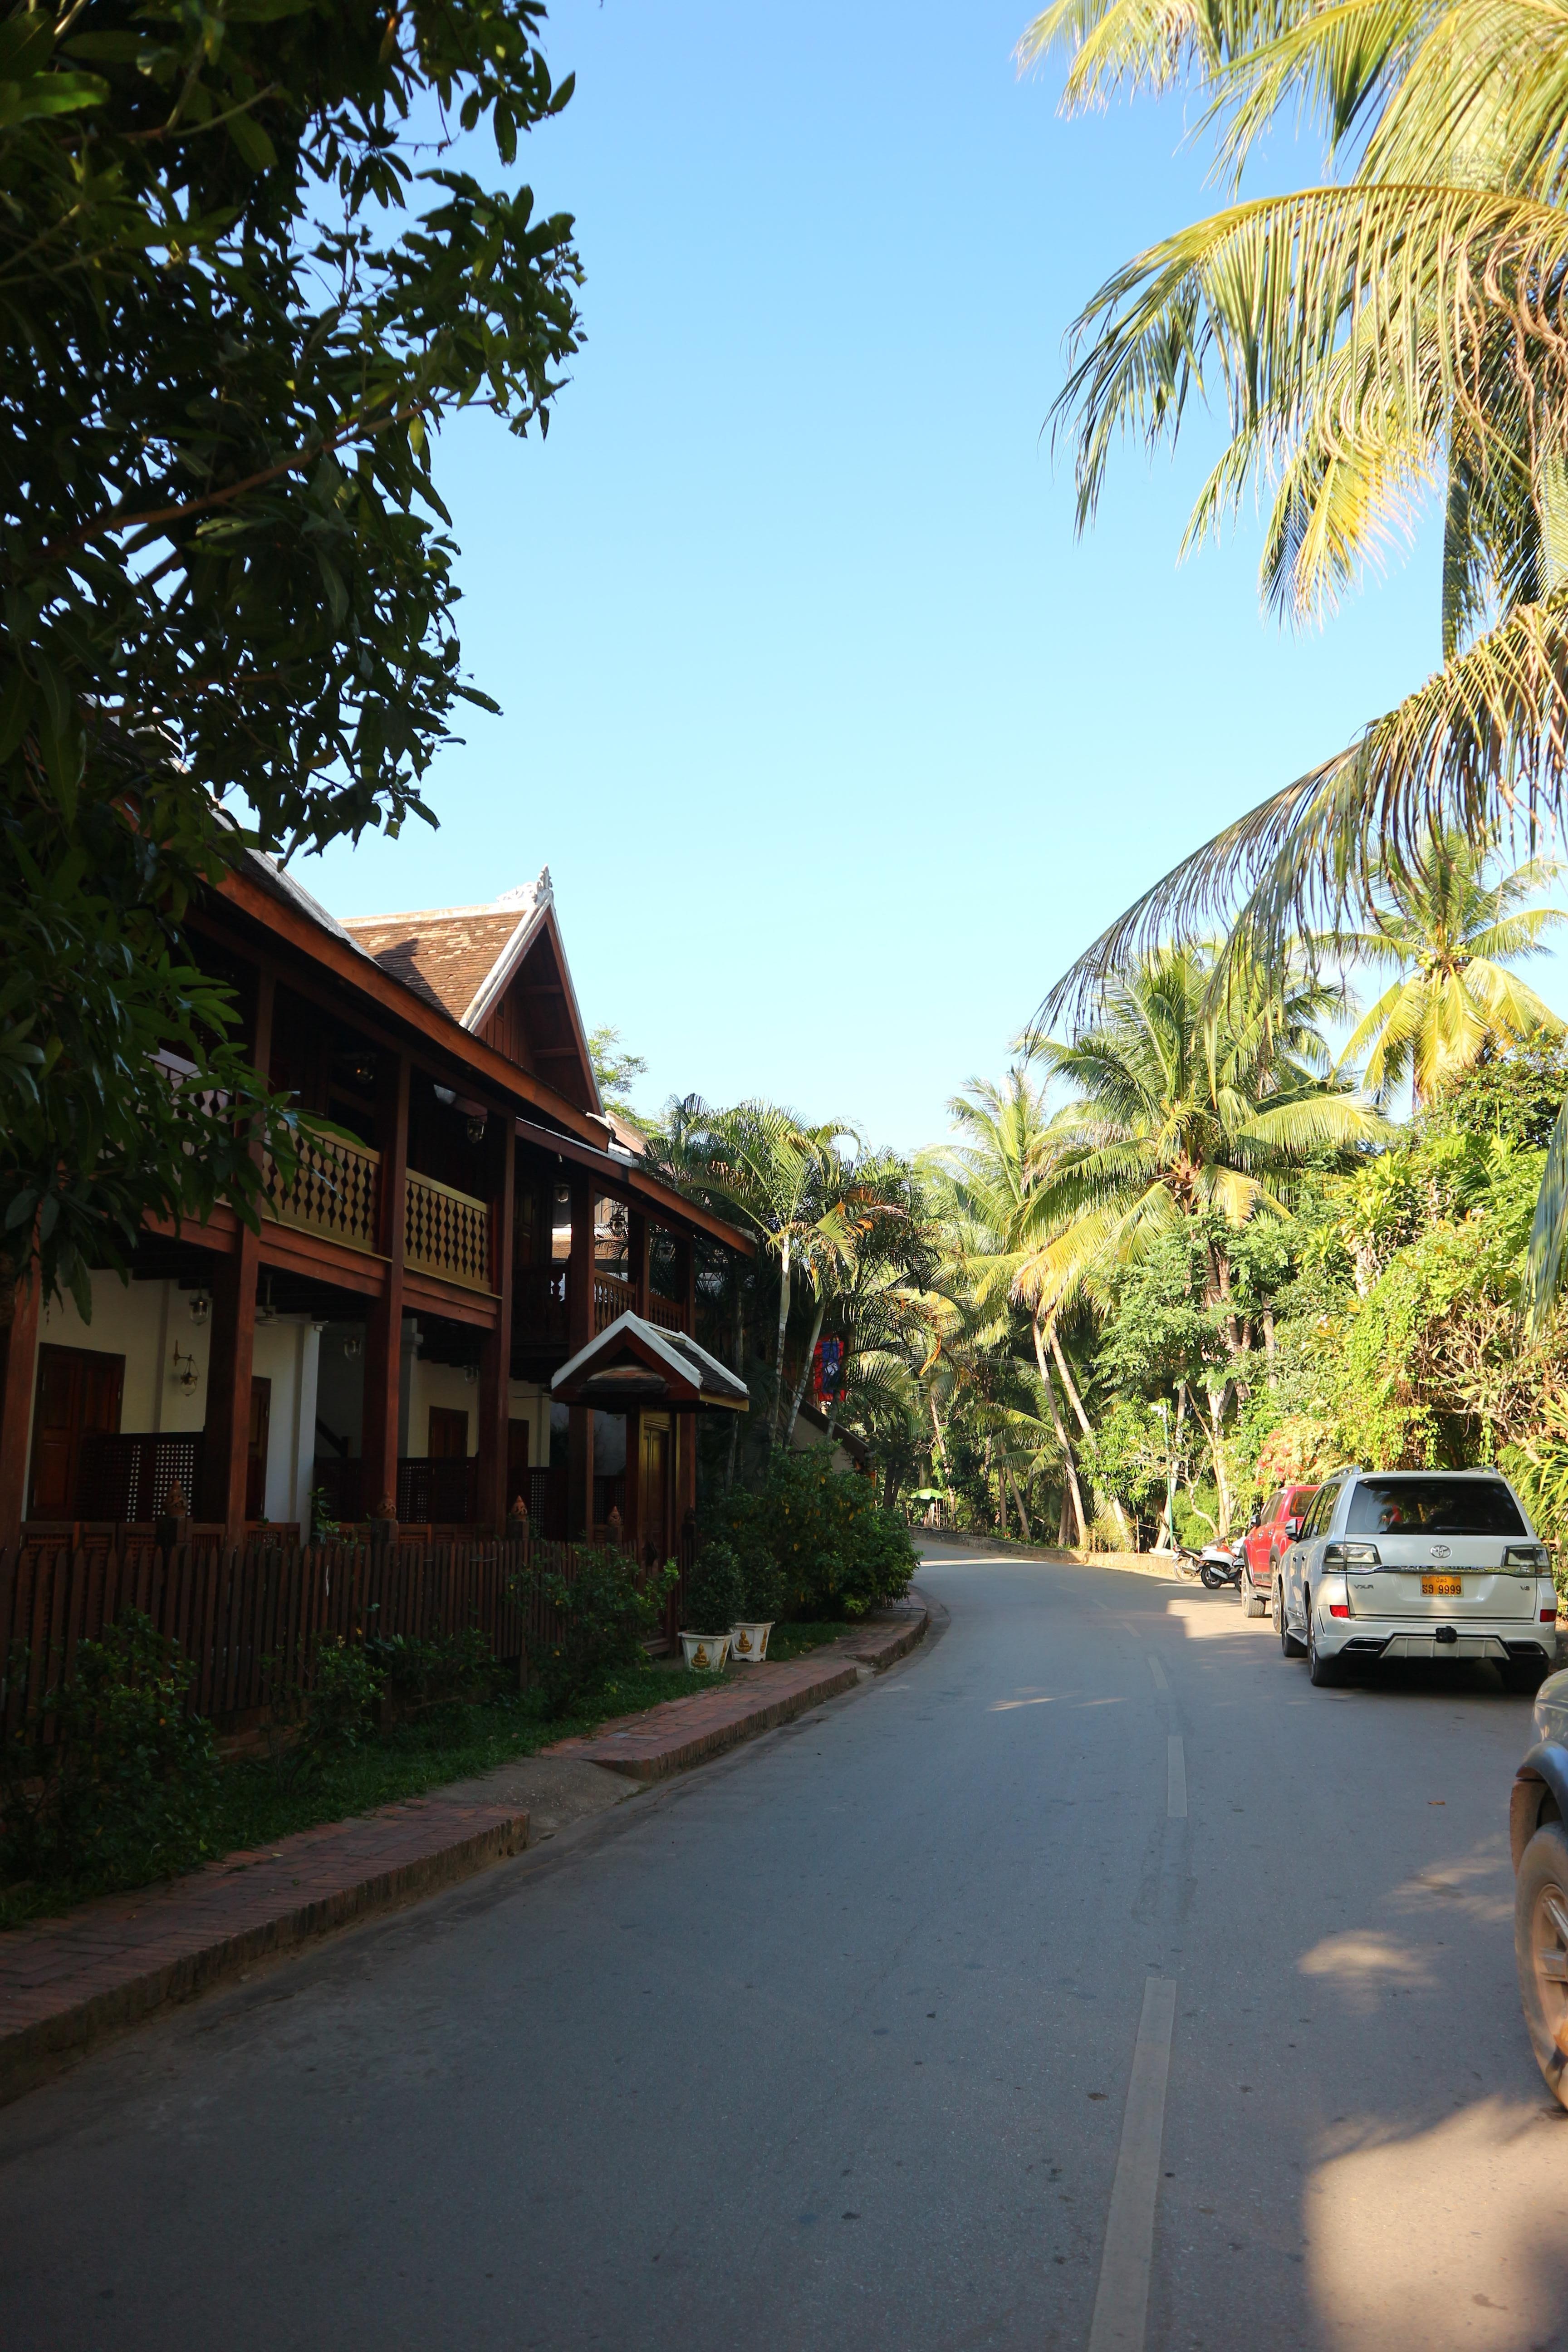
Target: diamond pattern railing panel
point(446, 1233)
point(333, 1191)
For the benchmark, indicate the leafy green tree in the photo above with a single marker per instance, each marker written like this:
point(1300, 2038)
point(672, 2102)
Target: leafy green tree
point(1514, 1094)
point(616, 1070)
point(241, 289)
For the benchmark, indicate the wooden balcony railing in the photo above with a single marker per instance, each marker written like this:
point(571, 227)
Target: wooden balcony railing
point(540, 1308)
point(612, 1297)
point(539, 1302)
point(446, 1233)
point(333, 1191)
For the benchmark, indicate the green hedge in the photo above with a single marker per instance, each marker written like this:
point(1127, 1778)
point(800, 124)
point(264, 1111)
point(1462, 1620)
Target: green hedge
point(821, 1532)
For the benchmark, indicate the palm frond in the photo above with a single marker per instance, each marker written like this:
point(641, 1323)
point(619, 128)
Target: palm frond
point(1483, 745)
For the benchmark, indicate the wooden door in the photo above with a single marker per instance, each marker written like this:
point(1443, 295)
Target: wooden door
point(653, 1478)
point(517, 1435)
point(256, 1458)
point(448, 1434)
point(80, 1389)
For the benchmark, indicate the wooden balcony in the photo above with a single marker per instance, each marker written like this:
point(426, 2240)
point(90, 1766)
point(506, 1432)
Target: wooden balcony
point(612, 1297)
point(333, 1192)
point(446, 1233)
point(538, 1302)
point(541, 1312)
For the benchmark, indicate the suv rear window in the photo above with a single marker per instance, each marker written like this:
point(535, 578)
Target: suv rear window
point(1432, 1507)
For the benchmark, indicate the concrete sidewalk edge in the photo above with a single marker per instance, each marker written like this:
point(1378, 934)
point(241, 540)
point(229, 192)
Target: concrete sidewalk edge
point(31, 2052)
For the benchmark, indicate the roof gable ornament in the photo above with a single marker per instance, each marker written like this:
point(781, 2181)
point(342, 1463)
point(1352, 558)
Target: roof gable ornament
point(526, 895)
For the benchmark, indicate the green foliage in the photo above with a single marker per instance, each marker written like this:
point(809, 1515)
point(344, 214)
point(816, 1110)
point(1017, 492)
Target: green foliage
point(616, 1071)
point(437, 1671)
point(715, 1591)
point(1514, 1096)
point(837, 1551)
point(337, 1713)
point(239, 293)
point(764, 1598)
point(604, 1617)
point(1125, 1455)
point(128, 1789)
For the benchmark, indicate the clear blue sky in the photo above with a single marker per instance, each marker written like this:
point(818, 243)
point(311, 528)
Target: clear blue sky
point(836, 743)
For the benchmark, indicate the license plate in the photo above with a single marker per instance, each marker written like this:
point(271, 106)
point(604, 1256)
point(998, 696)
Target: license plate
point(1443, 1584)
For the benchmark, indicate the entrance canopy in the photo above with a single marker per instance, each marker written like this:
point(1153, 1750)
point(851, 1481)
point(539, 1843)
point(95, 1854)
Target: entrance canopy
point(634, 1366)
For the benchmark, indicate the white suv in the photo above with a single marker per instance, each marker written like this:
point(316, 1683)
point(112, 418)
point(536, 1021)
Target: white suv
point(1417, 1564)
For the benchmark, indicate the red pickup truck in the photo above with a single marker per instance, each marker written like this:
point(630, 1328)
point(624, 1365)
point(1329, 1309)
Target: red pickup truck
point(1265, 1540)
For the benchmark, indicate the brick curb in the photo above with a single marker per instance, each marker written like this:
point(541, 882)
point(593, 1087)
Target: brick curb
point(67, 1983)
point(687, 1731)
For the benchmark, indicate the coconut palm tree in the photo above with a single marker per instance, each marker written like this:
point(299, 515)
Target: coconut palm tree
point(784, 1179)
point(1189, 1102)
point(1008, 1149)
point(1448, 932)
point(1395, 331)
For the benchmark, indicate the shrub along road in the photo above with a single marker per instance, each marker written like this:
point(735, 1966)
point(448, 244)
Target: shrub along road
point(1090, 1939)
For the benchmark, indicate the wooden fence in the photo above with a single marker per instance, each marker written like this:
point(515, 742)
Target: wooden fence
point(250, 1620)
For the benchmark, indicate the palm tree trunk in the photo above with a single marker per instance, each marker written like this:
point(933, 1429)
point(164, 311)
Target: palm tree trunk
point(1069, 1464)
point(800, 1384)
point(1060, 1358)
point(1060, 1361)
point(1023, 1513)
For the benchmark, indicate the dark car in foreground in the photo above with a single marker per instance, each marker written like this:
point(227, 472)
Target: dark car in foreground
point(1538, 1824)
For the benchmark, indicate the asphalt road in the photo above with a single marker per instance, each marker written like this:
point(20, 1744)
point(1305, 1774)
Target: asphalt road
point(833, 2043)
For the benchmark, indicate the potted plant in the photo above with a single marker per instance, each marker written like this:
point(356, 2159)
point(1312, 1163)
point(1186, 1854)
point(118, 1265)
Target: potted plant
point(714, 1594)
point(762, 1604)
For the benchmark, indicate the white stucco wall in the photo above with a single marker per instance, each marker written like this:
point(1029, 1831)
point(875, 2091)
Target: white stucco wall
point(145, 1322)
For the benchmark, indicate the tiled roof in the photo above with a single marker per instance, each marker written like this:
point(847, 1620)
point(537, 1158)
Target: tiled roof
point(447, 954)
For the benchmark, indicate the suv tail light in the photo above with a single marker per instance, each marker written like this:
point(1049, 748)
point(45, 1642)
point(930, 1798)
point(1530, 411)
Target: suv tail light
point(1351, 1555)
point(1530, 1555)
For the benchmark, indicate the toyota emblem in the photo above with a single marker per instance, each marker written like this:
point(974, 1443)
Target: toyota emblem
point(1439, 1551)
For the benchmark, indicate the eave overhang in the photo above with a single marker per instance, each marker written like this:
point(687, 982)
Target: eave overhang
point(624, 1178)
point(633, 1366)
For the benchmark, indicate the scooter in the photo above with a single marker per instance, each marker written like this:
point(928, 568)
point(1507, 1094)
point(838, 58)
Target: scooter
point(1217, 1565)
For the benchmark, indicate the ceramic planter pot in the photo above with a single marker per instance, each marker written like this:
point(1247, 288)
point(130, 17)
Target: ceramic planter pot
point(706, 1652)
point(750, 1641)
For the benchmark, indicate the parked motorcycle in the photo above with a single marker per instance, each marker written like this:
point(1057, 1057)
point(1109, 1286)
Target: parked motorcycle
point(1217, 1564)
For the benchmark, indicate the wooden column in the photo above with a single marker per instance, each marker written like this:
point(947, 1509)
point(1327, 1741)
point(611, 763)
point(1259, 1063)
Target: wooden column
point(579, 1332)
point(383, 1324)
point(495, 1350)
point(225, 1444)
point(18, 1358)
point(632, 1515)
point(637, 1260)
point(684, 1426)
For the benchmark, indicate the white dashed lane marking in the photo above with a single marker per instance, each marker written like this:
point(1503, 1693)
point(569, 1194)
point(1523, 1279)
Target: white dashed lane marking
point(1122, 2304)
point(1175, 1780)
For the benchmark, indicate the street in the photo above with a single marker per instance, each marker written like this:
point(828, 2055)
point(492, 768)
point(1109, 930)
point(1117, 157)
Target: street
point(831, 2043)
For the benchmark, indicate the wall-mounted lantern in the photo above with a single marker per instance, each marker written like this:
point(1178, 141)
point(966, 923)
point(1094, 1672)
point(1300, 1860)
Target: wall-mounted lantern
point(201, 1307)
point(186, 1375)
